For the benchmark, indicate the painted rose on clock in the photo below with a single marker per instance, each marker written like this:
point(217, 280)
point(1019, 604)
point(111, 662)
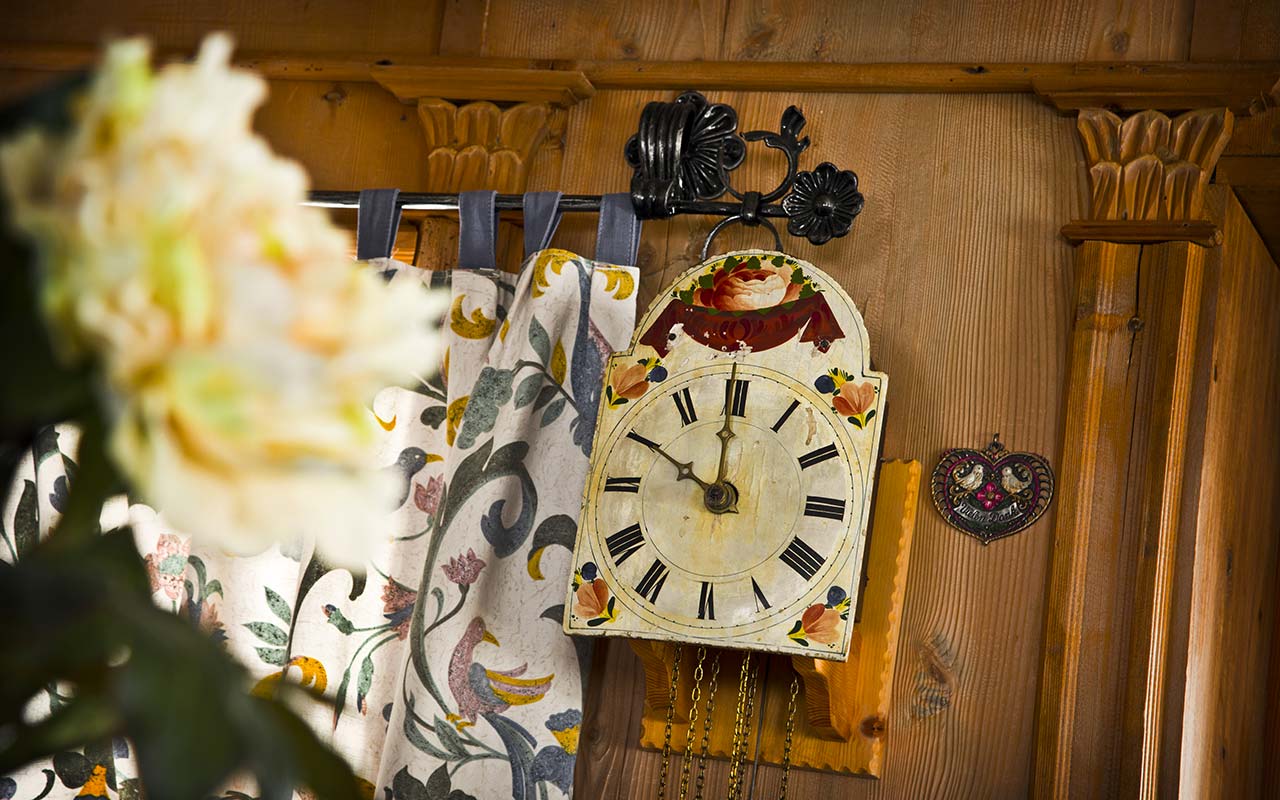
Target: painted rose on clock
point(733, 465)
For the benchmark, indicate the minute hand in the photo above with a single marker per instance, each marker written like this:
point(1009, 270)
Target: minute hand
point(726, 430)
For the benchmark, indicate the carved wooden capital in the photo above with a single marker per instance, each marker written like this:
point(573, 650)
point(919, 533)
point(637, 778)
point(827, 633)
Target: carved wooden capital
point(479, 146)
point(1148, 167)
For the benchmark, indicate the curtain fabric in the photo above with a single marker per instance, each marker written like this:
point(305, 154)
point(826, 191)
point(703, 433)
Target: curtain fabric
point(450, 673)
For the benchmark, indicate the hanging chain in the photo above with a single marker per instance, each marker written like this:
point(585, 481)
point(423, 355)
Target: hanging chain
point(752, 681)
point(706, 726)
point(741, 726)
point(666, 731)
point(687, 761)
point(791, 726)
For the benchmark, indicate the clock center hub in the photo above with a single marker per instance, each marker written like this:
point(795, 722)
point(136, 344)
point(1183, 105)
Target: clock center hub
point(721, 498)
point(730, 528)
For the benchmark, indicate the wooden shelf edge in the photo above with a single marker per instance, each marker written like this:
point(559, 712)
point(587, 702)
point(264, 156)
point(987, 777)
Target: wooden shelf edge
point(1201, 232)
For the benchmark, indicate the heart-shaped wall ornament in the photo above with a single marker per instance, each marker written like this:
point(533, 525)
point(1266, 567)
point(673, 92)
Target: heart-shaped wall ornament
point(991, 493)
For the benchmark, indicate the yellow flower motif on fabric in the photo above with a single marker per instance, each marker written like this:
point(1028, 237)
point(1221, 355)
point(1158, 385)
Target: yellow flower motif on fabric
point(559, 364)
point(502, 332)
point(96, 786)
point(554, 259)
point(618, 281)
point(453, 418)
point(474, 326)
point(312, 674)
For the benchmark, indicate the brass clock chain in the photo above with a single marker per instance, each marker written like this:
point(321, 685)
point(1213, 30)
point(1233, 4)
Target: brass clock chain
point(666, 731)
point(687, 761)
point(712, 685)
point(742, 726)
point(791, 726)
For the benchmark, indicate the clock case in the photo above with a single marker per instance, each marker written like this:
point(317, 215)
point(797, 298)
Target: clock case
point(815, 334)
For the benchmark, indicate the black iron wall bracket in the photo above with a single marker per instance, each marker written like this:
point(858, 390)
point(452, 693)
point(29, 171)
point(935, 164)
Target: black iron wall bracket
point(683, 154)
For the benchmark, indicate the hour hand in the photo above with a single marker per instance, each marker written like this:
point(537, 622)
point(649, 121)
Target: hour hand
point(684, 469)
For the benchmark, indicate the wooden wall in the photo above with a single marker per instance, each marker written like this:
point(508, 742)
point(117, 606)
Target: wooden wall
point(956, 264)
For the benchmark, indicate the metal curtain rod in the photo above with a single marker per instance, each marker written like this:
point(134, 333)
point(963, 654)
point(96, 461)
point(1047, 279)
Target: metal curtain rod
point(569, 203)
point(682, 155)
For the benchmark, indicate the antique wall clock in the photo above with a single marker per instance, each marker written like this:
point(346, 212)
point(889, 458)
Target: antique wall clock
point(734, 458)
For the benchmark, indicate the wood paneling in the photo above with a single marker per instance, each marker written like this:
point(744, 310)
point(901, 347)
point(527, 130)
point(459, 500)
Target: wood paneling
point(386, 27)
point(1225, 753)
point(1235, 30)
point(822, 30)
point(957, 266)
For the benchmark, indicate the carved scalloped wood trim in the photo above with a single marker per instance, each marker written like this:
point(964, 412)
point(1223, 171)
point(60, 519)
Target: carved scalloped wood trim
point(1149, 167)
point(480, 146)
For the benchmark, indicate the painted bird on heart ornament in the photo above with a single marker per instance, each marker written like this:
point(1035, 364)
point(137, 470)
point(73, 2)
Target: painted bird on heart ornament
point(970, 481)
point(1012, 482)
point(480, 691)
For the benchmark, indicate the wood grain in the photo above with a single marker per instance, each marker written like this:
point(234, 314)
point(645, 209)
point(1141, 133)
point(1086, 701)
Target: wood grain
point(1225, 753)
point(1079, 696)
point(963, 298)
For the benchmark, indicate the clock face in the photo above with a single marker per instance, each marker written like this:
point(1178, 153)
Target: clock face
point(682, 566)
point(732, 468)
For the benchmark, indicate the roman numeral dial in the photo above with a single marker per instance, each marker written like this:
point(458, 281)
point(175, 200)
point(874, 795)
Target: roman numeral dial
point(625, 542)
point(735, 396)
point(684, 405)
point(680, 564)
point(650, 586)
point(802, 558)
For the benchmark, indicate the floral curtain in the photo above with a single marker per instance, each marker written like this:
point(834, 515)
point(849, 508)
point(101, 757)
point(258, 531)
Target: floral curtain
point(446, 663)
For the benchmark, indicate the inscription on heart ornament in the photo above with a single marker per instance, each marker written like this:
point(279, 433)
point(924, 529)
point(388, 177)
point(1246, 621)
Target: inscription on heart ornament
point(991, 493)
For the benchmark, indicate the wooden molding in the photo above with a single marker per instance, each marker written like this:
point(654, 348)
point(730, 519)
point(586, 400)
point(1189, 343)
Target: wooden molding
point(1243, 87)
point(560, 87)
point(1149, 167)
point(480, 146)
point(1199, 231)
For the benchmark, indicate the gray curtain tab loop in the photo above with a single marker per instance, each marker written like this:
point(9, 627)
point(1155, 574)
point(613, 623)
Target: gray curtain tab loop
point(377, 220)
point(477, 230)
point(541, 218)
point(618, 236)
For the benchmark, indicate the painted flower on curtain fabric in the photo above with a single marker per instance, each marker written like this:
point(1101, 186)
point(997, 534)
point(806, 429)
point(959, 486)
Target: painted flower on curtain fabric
point(240, 346)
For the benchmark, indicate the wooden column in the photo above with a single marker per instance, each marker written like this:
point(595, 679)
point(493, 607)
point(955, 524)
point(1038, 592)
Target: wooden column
point(1120, 572)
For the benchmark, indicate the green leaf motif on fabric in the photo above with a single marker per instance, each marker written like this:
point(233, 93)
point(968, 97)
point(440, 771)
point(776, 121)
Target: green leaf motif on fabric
point(450, 739)
point(26, 520)
point(268, 633)
point(492, 391)
point(271, 655)
point(432, 416)
point(363, 682)
point(527, 391)
point(278, 605)
point(540, 341)
point(553, 412)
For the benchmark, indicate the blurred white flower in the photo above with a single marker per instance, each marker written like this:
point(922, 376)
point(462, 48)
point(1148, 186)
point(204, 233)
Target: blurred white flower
point(240, 346)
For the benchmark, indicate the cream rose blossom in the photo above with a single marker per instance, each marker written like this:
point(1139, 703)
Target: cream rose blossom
point(240, 346)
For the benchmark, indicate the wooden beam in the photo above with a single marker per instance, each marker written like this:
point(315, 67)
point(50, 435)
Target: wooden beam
point(1244, 87)
point(562, 88)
